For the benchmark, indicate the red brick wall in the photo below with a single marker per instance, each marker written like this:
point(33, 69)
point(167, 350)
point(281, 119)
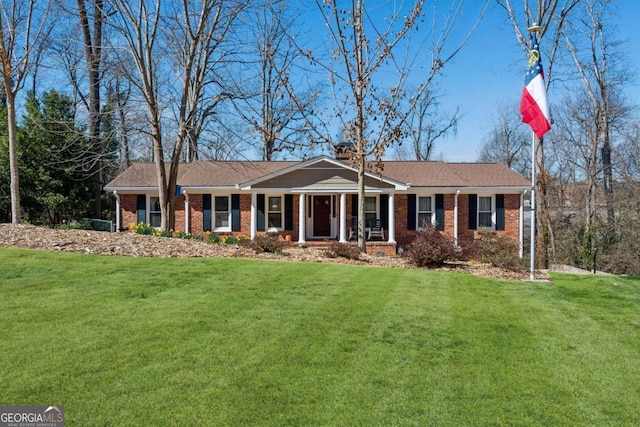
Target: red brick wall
point(178, 203)
point(465, 236)
point(128, 210)
point(128, 205)
point(512, 216)
point(196, 214)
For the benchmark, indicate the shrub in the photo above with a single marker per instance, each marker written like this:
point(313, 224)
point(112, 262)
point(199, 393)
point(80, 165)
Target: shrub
point(230, 240)
point(499, 251)
point(342, 250)
point(182, 234)
point(431, 248)
point(212, 237)
point(243, 240)
point(142, 228)
point(268, 243)
point(164, 233)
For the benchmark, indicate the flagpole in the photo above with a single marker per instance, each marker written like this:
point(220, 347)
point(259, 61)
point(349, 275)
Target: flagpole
point(532, 270)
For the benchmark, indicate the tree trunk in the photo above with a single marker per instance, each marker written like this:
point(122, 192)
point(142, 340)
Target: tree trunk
point(608, 176)
point(543, 226)
point(93, 56)
point(13, 159)
point(161, 172)
point(361, 222)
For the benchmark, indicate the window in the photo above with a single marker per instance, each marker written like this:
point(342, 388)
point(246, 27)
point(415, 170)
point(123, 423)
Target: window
point(370, 209)
point(485, 212)
point(154, 212)
point(425, 211)
point(274, 212)
point(222, 213)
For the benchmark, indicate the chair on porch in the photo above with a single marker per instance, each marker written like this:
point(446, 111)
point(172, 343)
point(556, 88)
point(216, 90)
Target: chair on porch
point(353, 230)
point(375, 230)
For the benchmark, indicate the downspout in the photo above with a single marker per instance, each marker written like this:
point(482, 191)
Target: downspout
point(186, 212)
point(455, 217)
point(115, 193)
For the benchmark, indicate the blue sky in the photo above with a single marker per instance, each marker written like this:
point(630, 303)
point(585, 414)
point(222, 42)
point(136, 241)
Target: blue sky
point(490, 69)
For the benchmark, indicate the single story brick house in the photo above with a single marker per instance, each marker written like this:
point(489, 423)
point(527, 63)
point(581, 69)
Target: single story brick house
point(316, 199)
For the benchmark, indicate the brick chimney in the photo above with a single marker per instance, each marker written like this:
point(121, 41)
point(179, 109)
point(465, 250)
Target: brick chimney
point(343, 150)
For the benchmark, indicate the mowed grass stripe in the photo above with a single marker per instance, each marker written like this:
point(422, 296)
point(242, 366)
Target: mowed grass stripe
point(125, 341)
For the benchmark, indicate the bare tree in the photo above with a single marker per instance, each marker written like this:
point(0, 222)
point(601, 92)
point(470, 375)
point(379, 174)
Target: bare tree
point(277, 108)
point(508, 142)
point(595, 139)
point(91, 25)
point(551, 16)
point(597, 62)
point(188, 38)
point(139, 25)
point(22, 25)
point(629, 151)
point(364, 48)
point(199, 42)
point(425, 125)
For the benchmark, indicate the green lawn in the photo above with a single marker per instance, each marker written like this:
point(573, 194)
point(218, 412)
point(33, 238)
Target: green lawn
point(185, 342)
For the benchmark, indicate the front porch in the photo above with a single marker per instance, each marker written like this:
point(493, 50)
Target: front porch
point(326, 216)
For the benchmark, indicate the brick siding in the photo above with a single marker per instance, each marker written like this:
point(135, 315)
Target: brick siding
point(128, 205)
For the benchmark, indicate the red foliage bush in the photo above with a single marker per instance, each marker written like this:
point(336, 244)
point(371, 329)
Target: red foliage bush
point(431, 248)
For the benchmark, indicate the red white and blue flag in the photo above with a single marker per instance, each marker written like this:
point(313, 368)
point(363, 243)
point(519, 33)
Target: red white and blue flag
point(534, 105)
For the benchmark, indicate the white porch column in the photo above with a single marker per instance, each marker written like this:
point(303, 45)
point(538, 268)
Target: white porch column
point(117, 210)
point(254, 215)
point(301, 219)
point(343, 218)
point(186, 212)
point(392, 218)
point(455, 218)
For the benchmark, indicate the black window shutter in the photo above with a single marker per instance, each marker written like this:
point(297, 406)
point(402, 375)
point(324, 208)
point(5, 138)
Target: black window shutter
point(411, 211)
point(384, 210)
point(206, 212)
point(142, 208)
point(354, 205)
point(473, 211)
point(499, 211)
point(235, 212)
point(288, 211)
point(261, 221)
point(440, 212)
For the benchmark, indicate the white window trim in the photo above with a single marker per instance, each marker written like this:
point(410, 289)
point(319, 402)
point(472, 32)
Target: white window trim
point(268, 211)
point(214, 226)
point(433, 209)
point(493, 213)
